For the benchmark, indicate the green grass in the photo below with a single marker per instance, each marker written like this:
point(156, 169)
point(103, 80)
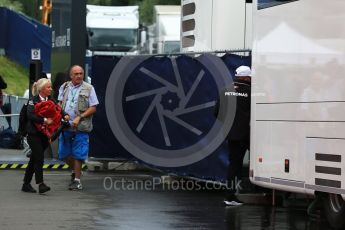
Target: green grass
point(16, 77)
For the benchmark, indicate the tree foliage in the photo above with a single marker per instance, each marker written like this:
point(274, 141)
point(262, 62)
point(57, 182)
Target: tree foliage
point(146, 8)
point(31, 7)
point(13, 5)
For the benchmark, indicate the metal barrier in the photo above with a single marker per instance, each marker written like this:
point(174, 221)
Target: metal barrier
point(9, 112)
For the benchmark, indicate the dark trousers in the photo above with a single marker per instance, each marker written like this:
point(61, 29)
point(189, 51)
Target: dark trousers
point(237, 150)
point(38, 143)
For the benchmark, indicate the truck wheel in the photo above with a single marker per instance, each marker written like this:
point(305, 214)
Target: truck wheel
point(334, 206)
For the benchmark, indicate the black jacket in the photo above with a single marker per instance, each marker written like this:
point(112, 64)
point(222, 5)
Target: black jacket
point(240, 129)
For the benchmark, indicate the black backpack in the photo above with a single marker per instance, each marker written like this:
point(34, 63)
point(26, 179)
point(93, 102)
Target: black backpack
point(23, 120)
point(3, 84)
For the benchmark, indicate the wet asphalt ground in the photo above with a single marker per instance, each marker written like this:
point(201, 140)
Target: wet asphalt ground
point(134, 200)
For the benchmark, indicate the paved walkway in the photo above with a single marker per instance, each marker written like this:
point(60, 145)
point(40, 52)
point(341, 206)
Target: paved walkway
point(127, 201)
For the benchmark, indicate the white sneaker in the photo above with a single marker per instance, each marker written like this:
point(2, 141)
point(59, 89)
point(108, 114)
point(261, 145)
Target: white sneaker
point(76, 185)
point(233, 202)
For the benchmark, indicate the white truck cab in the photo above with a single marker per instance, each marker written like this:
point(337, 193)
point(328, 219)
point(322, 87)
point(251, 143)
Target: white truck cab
point(112, 30)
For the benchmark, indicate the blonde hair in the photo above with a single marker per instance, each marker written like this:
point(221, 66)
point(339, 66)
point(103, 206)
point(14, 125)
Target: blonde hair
point(38, 85)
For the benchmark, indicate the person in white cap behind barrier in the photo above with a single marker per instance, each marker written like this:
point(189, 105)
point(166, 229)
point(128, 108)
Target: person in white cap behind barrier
point(238, 137)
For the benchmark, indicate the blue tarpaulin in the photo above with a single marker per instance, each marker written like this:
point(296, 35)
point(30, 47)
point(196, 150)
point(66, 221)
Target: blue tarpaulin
point(163, 106)
point(19, 34)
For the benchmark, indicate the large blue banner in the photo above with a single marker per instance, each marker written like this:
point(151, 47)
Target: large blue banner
point(19, 34)
point(160, 111)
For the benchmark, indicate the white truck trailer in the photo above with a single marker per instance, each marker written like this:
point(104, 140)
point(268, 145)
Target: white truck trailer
point(166, 29)
point(216, 25)
point(298, 100)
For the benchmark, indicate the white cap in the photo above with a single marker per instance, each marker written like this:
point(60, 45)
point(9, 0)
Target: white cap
point(243, 71)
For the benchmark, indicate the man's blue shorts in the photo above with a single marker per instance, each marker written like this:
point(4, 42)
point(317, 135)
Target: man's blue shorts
point(74, 144)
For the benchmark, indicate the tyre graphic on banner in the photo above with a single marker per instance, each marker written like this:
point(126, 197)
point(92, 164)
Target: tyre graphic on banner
point(162, 109)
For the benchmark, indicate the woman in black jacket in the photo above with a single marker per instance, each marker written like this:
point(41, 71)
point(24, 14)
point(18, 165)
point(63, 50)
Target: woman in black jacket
point(38, 142)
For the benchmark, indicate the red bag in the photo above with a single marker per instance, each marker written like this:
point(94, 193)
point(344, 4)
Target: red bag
point(48, 109)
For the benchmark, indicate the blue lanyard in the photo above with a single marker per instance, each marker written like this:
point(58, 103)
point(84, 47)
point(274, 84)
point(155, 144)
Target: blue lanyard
point(73, 93)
